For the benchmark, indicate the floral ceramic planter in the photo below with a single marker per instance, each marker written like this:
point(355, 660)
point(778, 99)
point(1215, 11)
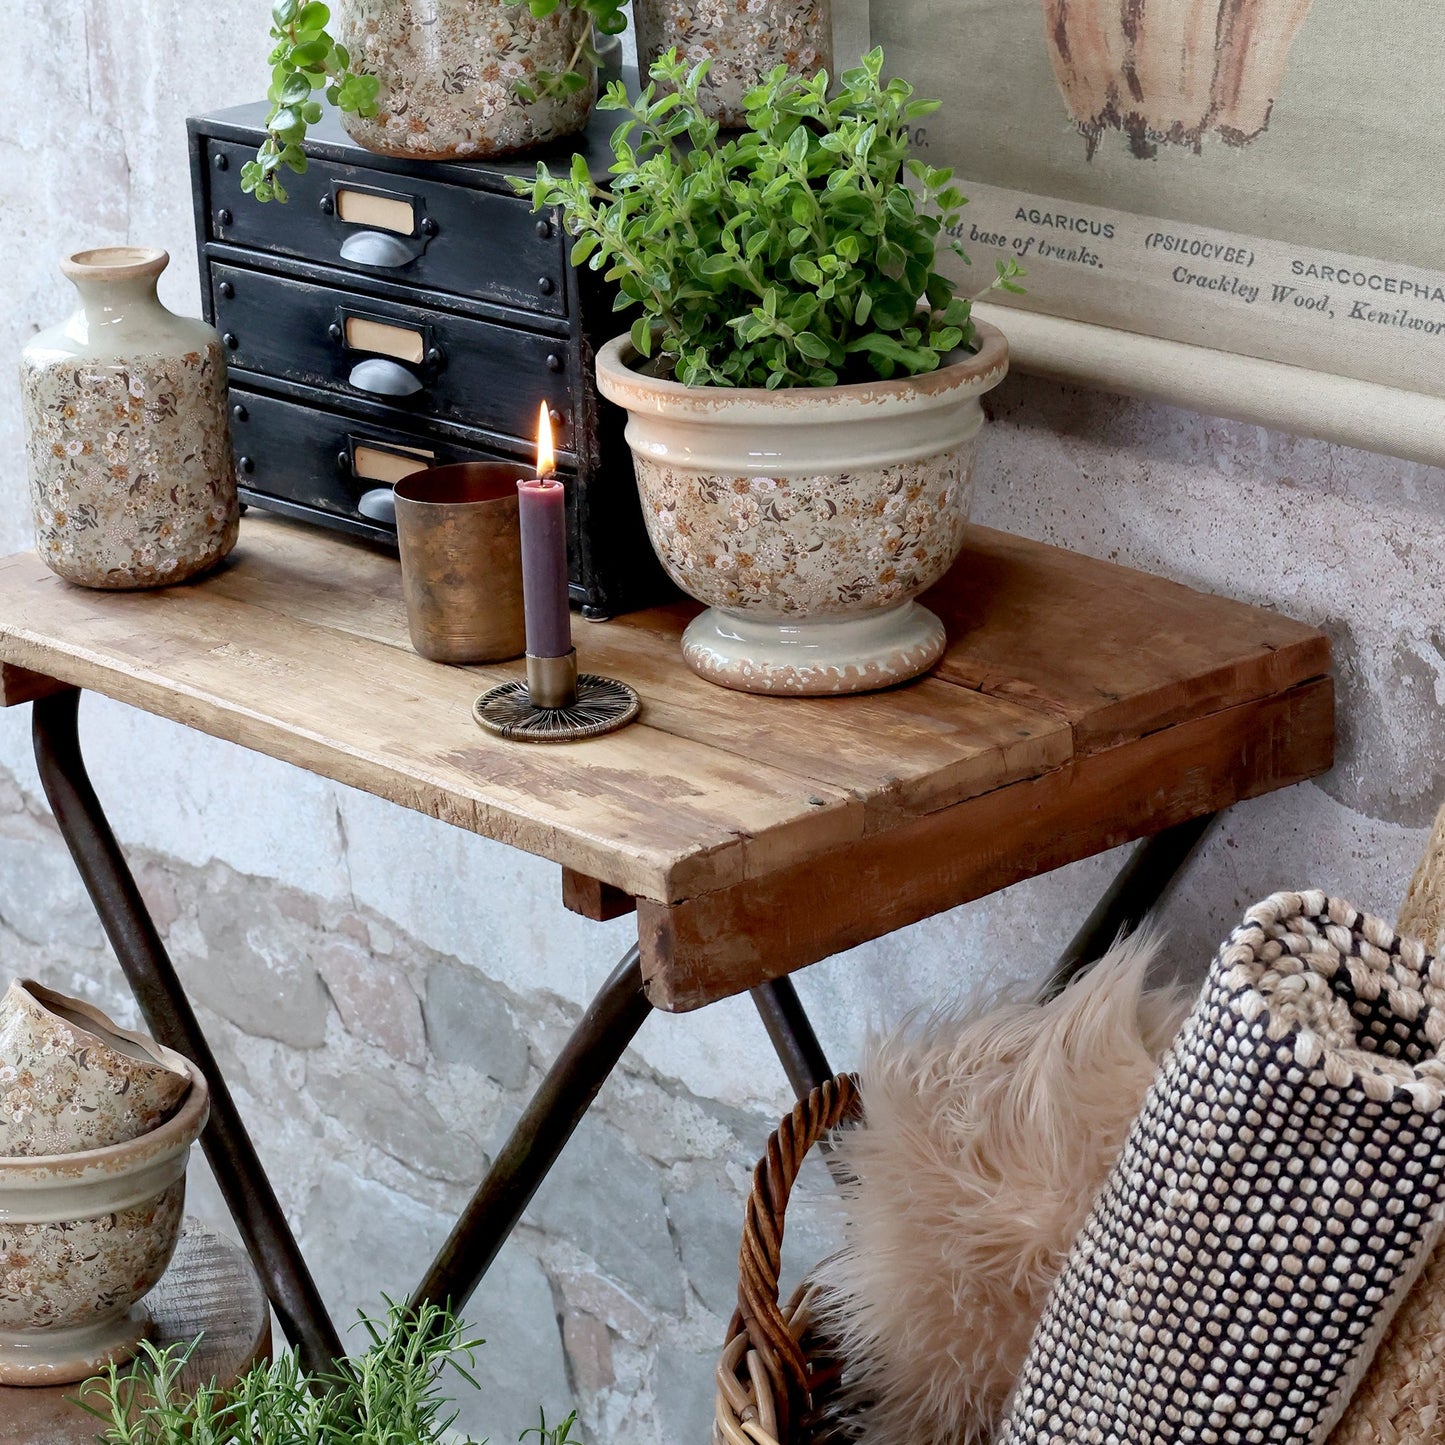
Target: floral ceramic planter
point(83, 1238)
point(449, 71)
point(807, 520)
point(132, 483)
point(744, 40)
point(70, 1080)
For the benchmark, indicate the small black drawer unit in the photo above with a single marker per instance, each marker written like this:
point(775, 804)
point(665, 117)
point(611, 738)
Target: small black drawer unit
point(397, 313)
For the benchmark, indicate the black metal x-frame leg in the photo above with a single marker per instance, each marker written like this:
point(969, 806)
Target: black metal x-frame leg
point(170, 1018)
point(595, 1047)
point(1137, 888)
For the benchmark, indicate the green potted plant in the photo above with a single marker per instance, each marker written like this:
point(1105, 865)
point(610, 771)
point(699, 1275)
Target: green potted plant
point(390, 1395)
point(803, 386)
point(479, 78)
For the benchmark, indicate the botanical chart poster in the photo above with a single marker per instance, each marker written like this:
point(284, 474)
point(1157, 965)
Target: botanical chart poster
point(1258, 176)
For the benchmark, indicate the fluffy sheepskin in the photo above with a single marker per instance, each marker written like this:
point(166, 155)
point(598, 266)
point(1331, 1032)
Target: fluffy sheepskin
point(987, 1135)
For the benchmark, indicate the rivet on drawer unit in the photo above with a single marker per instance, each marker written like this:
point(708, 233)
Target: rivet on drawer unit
point(397, 228)
point(423, 361)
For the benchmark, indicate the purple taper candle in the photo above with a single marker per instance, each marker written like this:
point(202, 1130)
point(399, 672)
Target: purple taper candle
point(542, 509)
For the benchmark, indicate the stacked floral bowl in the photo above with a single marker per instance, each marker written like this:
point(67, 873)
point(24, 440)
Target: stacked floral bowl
point(96, 1126)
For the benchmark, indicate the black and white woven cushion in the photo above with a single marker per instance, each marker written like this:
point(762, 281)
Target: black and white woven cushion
point(1275, 1199)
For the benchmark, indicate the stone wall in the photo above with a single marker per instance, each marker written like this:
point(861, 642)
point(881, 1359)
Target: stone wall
point(384, 991)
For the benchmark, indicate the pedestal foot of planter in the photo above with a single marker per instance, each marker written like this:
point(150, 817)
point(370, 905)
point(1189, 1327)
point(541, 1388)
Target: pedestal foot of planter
point(814, 659)
point(63, 1357)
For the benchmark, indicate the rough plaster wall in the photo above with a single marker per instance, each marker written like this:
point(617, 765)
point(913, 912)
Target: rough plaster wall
point(383, 991)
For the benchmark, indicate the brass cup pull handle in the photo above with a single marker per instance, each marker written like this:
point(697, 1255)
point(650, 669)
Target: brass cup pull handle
point(379, 505)
point(381, 377)
point(379, 251)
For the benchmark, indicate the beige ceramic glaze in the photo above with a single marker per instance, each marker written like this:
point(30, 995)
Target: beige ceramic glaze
point(449, 71)
point(744, 40)
point(807, 519)
point(71, 1080)
point(131, 478)
point(83, 1237)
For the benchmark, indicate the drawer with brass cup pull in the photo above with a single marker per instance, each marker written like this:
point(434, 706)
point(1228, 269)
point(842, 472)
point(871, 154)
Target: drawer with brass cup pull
point(454, 368)
point(408, 229)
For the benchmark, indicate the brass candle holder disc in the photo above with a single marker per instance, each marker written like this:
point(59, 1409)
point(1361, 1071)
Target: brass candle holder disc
point(603, 705)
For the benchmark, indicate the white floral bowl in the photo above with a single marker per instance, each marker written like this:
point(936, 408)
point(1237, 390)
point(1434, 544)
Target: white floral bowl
point(83, 1237)
point(71, 1080)
point(808, 519)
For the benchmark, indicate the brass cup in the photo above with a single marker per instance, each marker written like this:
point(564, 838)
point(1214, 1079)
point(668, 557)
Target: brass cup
point(461, 561)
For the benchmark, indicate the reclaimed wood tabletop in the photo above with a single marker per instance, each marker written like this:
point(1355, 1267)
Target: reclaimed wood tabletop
point(1079, 705)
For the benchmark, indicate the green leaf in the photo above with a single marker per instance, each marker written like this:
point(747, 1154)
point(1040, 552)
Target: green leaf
point(804, 270)
point(287, 123)
point(312, 51)
point(296, 87)
point(891, 260)
point(314, 16)
point(642, 336)
point(813, 347)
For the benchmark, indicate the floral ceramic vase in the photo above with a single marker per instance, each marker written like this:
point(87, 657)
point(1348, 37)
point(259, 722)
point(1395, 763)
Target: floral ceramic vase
point(131, 476)
point(70, 1080)
point(450, 73)
point(808, 519)
point(744, 40)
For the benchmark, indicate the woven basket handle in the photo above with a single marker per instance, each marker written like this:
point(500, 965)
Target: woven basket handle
point(759, 1309)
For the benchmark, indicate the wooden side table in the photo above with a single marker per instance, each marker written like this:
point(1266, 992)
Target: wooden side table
point(1079, 706)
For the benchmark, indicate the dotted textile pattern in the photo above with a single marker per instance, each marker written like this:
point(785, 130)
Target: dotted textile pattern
point(1276, 1198)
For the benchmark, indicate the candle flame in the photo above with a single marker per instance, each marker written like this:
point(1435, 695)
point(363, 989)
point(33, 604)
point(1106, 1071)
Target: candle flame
point(546, 454)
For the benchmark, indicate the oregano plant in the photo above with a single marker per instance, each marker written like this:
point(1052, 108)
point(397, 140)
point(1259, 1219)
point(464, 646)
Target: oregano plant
point(794, 253)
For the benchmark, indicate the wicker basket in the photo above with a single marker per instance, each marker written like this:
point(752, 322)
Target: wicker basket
point(777, 1381)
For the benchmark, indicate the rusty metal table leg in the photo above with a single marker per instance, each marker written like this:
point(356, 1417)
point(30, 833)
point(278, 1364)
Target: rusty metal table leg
point(791, 1032)
point(589, 1056)
point(1140, 884)
point(169, 1016)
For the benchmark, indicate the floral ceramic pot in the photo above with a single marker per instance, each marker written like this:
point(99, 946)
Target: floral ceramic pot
point(449, 72)
point(809, 519)
point(83, 1238)
point(71, 1080)
point(744, 40)
point(131, 477)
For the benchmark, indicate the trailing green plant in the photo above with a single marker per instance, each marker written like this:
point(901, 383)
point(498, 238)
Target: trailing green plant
point(389, 1395)
point(305, 60)
point(794, 253)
